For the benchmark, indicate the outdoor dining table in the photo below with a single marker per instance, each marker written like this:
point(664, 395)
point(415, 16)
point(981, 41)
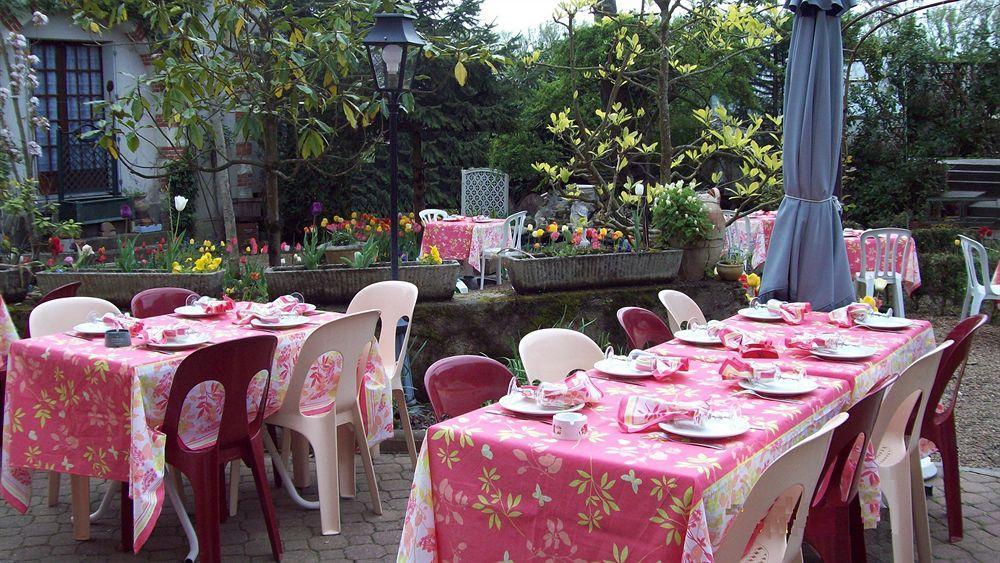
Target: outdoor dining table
point(74, 406)
point(465, 238)
point(493, 487)
point(753, 235)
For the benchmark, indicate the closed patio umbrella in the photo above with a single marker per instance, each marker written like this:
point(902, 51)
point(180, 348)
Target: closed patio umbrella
point(807, 260)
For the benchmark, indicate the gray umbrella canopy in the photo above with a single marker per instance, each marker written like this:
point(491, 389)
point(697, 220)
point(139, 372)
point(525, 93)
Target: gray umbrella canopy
point(807, 260)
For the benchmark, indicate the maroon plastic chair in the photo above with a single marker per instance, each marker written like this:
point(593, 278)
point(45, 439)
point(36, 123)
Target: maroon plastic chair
point(68, 290)
point(233, 364)
point(939, 422)
point(159, 301)
point(834, 528)
point(461, 384)
point(643, 328)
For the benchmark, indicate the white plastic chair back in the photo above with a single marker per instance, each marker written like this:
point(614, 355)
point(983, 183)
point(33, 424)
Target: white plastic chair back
point(979, 286)
point(887, 242)
point(680, 308)
point(395, 299)
point(515, 224)
point(63, 314)
point(432, 215)
point(485, 192)
point(780, 499)
point(550, 354)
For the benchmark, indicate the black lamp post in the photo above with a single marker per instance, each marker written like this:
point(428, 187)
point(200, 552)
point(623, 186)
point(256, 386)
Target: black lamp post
point(393, 46)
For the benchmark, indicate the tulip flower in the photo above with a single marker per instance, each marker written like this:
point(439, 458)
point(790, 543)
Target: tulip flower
point(180, 202)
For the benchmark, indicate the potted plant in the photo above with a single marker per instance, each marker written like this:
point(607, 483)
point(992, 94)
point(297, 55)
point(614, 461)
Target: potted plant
point(683, 222)
point(342, 243)
point(730, 266)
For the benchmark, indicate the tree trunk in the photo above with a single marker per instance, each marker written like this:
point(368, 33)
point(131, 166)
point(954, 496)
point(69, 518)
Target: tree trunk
point(663, 99)
point(272, 222)
point(417, 169)
point(222, 185)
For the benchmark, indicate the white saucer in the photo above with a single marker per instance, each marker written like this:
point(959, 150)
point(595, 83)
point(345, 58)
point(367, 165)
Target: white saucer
point(689, 429)
point(759, 314)
point(193, 311)
point(283, 322)
point(878, 322)
point(450, 219)
point(845, 352)
point(92, 329)
point(620, 368)
point(516, 402)
point(785, 387)
point(697, 337)
point(181, 342)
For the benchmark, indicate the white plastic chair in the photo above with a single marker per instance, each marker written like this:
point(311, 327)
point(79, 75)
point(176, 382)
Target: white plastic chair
point(332, 430)
point(680, 309)
point(978, 285)
point(485, 192)
point(61, 315)
point(515, 229)
point(396, 300)
point(432, 215)
point(550, 354)
point(898, 455)
point(780, 499)
point(886, 266)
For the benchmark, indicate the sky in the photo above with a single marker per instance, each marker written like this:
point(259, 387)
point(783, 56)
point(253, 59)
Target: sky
point(514, 16)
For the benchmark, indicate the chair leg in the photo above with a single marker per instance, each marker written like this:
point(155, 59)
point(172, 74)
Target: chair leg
point(54, 479)
point(948, 448)
point(966, 302)
point(482, 271)
point(921, 527)
point(345, 459)
point(234, 486)
point(404, 421)
point(977, 303)
point(127, 521)
point(897, 296)
point(206, 512)
point(223, 501)
point(301, 475)
point(178, 479)
point(826, 530)
point(856, 531)
point(256, 463)
point(899, 497)
point(366, 461)
point(328, 485)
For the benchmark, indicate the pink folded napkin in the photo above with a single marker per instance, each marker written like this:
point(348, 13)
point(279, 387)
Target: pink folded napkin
point(132, 324)
point(575, 389)
point(759, 350)
point(791, 313)
point(161, 334)
point(270, 312)
point(214, 306)
point(636, 414)
point(734, 369)
point(289, 304)
point(846, 317)
point(805, 342)
point(736, 339)
point(665, 367)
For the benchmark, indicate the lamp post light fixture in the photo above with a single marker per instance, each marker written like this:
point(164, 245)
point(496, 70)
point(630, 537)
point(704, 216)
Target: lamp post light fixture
point(393, 47)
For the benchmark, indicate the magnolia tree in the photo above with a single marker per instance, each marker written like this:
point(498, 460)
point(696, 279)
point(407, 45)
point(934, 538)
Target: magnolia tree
point(276, 66)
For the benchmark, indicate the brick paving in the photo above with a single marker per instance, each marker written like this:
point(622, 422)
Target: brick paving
point(46, 533)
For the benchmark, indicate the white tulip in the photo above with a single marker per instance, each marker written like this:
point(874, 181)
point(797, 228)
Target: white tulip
point(86, 250)
point(180, 202)
point(639, 189)
point(880, 284)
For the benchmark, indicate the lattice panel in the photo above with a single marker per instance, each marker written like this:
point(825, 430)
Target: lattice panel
point(485, 192)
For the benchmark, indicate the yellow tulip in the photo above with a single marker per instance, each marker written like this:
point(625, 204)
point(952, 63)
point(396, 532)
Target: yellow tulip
point(753, 280)
point(324, 223)
point(869, 300)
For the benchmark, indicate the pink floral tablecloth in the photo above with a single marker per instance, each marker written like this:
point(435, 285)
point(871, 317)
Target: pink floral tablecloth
point(75, 406)
point(494, 488)
point(996, 276)
point(751, 235)
point(8, 333)
point(464, 240)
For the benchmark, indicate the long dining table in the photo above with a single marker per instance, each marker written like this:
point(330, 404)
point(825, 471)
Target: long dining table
point(77, 407)
point(489, 486)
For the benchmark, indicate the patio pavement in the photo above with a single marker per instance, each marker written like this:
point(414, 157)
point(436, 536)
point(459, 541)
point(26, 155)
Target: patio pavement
point(46, 533)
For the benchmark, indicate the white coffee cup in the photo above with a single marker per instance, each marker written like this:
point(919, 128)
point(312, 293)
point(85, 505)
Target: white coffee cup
point(569, 426)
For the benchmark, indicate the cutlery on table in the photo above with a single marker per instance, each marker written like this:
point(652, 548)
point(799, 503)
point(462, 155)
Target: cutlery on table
point(670, 438)
point(617, 380)
point(775, 399)
point(512, 415)
point(81, 336)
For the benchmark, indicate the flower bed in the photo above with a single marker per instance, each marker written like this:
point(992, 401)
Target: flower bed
point(583, 271)
point(337, 284)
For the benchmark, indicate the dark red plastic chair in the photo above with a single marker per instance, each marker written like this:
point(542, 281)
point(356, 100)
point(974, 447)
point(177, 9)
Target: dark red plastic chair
point(68, 290)
point(834, 528)
point(233, 364)
point(461, 384)
point(159, 301)
point(939, 422)
point(643, 328)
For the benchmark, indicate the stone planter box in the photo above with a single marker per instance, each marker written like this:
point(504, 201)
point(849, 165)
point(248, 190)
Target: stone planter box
point(120, 287)
point(586, 271)
point(14, 282)
point(337, 284)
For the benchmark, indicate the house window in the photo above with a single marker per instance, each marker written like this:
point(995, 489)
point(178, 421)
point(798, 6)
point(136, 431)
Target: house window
point(71, 78)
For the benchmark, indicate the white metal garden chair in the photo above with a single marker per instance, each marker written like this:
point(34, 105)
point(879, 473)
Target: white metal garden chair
point(432, 215)
point(515, 228)
point(978, 285)
point(485, 192)
point(886, 266)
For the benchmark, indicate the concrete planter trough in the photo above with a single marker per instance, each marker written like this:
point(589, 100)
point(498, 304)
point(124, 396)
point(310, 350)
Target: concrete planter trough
point(557, 273)
point(120, 287)
point(337, 284)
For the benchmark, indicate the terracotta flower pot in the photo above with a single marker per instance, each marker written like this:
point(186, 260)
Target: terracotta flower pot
point(729, 272)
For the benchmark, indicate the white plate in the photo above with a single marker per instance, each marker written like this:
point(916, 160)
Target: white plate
point(698, 337)
point(759, 314)
point(620, 368)
point(516, 402)
point(283, 322)
point(186, 341)
point(688, 428)
point(193, 311)
point(452, 219)
point(486, 220)
point(782, 387)
point(845, 352)
point(885, 323)
point(92, 329)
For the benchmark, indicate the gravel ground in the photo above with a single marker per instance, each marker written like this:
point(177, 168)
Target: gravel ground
point(978, 406)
